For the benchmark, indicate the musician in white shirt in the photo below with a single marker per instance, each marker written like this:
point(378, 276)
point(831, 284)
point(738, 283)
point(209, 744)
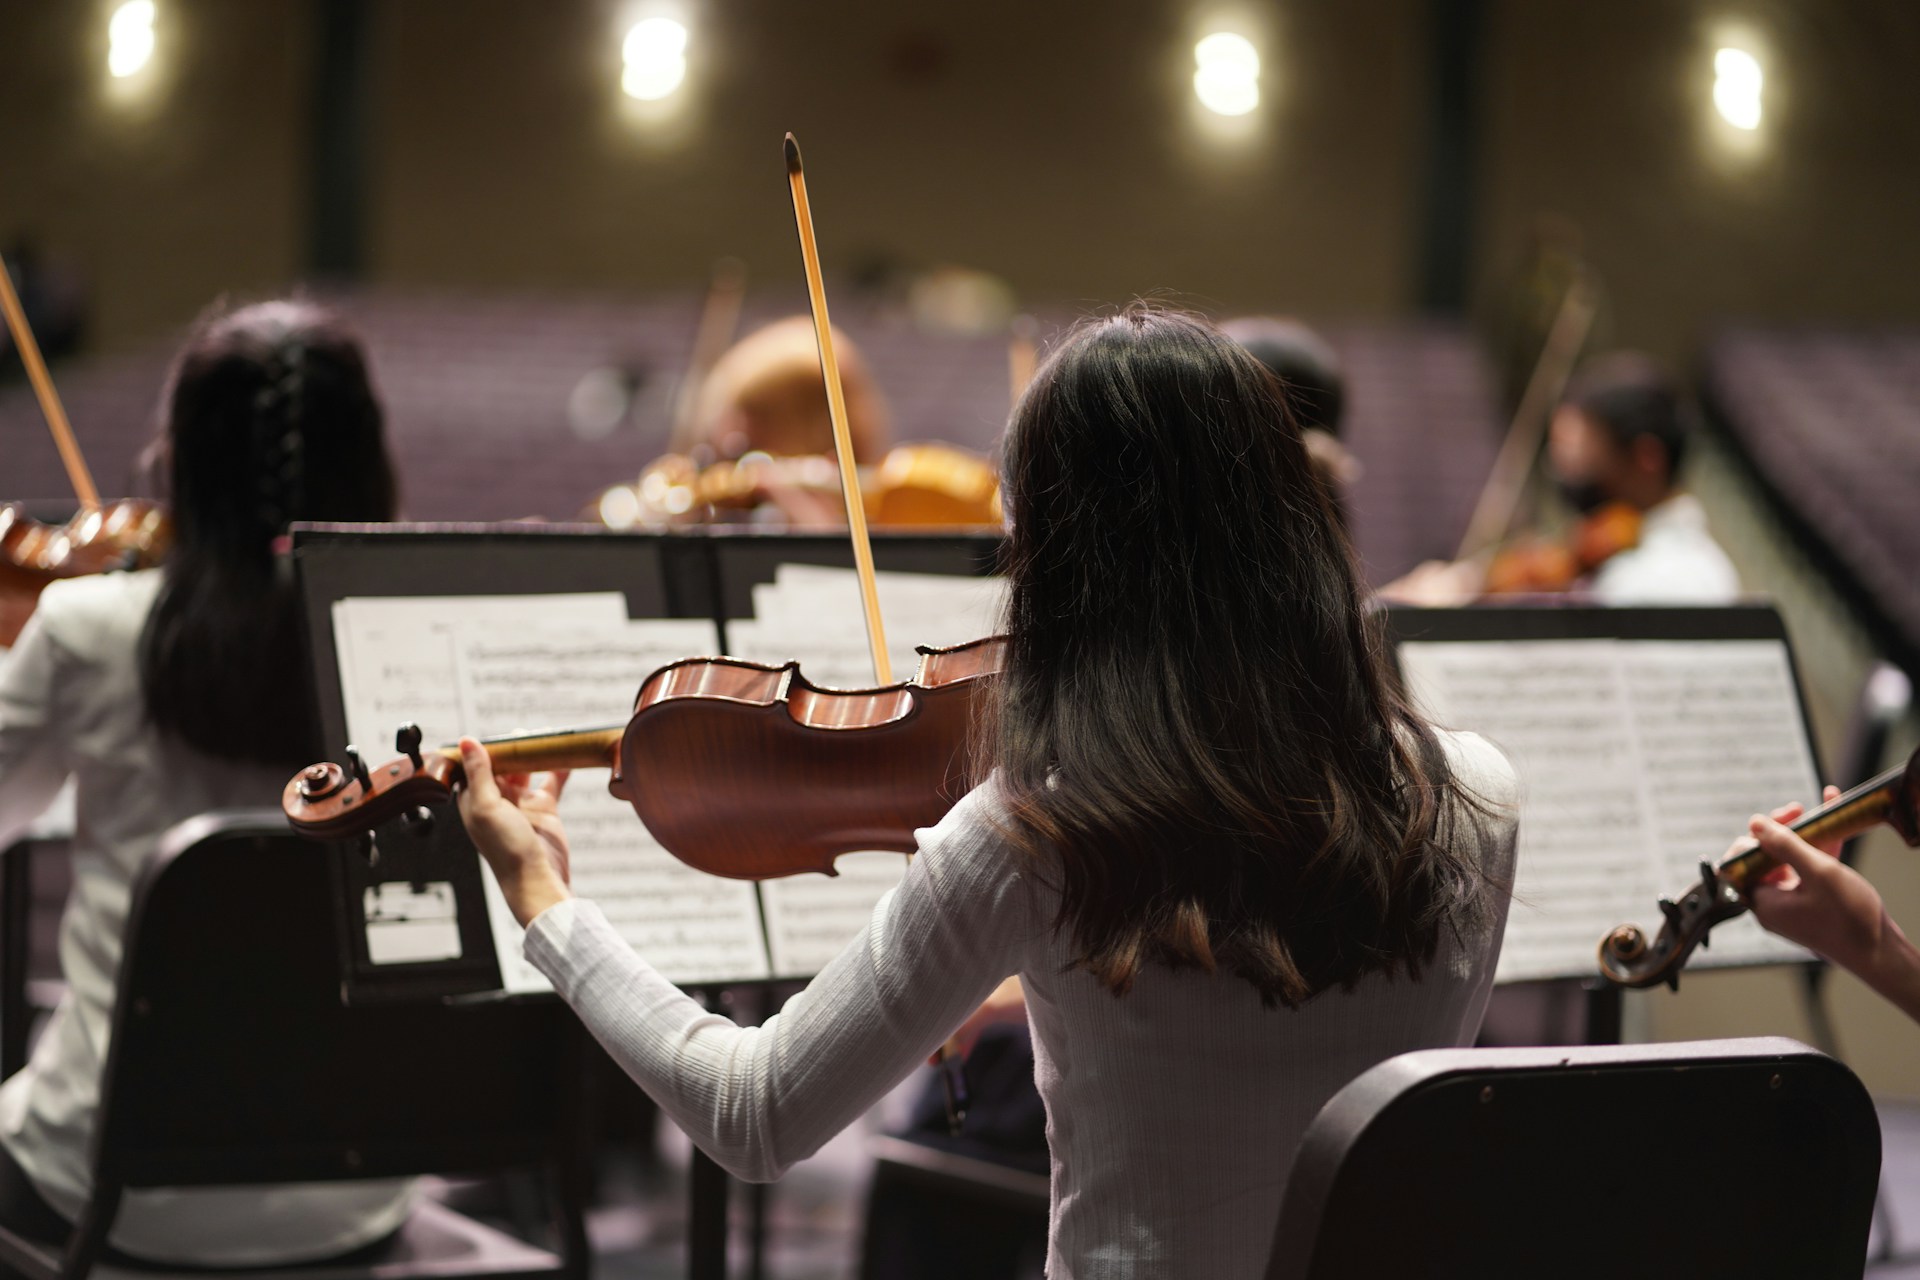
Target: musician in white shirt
point(163, 694)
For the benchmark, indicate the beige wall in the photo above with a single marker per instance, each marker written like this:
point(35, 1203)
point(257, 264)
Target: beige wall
point(1059, 152)
point(1030, 139)
point(1601, 112)
point(169, 188)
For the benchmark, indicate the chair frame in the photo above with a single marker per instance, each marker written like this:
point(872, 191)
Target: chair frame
point(1350, 1115)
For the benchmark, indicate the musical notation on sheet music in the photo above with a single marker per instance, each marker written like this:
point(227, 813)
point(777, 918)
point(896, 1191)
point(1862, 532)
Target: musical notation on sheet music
point(1637, 759)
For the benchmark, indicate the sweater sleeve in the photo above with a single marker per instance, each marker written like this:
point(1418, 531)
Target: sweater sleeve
point(33, 754)
point(758, 1099)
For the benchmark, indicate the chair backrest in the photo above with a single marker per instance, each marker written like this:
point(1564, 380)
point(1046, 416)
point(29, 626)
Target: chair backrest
point(235, 1060)
point(1751, 1158)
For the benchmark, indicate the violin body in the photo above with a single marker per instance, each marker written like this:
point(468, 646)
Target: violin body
point(128, 534)
point(804, 774)
point(1536, 565)
point(740, 769)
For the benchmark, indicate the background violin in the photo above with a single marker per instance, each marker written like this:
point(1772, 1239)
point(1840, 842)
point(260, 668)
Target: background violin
point(1539, 564)
point(912, 486)
point(118, 535)
point(800, 774)
point(128, 534)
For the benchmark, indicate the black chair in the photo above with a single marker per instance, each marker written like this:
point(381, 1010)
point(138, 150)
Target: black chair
point(971, 1208)
point(234, 1061)
point(1751, 1158)
point(34, 876)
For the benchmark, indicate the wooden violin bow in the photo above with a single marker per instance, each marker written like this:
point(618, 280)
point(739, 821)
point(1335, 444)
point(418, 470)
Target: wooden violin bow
point(837, 410)
point(50, 407)
point(1500, 497)
point(719, 319)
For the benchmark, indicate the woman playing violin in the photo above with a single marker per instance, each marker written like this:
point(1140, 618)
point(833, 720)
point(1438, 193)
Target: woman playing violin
point(166, 693)
point(1230, 865)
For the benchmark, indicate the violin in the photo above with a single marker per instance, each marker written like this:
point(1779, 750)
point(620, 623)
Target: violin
point(912, 486)
point(799, 774)
point(1629, 959)
point(1533, 565)
point(127, 534)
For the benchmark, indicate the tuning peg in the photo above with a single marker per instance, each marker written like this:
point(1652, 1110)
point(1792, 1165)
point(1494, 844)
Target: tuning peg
point(358, 768)
point(1673, 980)
point(418, 820)
point(1706, 940)
point(1710, 879)
point(1671, 910)
point(407, 742)
point(368, 849)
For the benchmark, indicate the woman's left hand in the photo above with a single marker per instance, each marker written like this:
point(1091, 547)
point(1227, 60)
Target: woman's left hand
point(515, 823)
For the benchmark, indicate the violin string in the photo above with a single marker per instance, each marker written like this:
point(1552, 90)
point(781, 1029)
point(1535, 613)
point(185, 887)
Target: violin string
point(50, 406)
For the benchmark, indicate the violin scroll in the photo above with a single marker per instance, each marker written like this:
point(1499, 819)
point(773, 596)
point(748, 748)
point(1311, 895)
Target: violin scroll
point(328, 801)
point(1629, 959)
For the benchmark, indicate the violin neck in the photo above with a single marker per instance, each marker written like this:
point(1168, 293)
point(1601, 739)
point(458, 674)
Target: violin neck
point(1866, 806)
point(554, 749)
point(1859, 810)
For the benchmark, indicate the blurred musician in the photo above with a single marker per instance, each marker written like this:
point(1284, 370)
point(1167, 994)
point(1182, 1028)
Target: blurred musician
point(1614, 453)
point(165, 693)
point(765, 395)
point(1309, 370)
point(761, 446)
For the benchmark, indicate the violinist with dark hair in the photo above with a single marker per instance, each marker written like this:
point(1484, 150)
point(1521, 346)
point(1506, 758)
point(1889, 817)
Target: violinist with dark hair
point(165, 693)
point(1615, 448)
point(1231, 866)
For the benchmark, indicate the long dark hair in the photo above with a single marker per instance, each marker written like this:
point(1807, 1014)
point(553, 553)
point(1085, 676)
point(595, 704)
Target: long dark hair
point(1198, 740)
point(269, 418)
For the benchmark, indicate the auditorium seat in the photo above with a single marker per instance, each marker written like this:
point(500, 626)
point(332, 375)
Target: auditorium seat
point(1828, 420)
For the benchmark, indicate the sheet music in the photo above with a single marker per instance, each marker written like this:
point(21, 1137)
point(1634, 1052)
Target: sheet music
point(691, 926)
point(396, 654)
point(1637, 759)
point(814, 614)
point(811, 918)
point(1720, 729)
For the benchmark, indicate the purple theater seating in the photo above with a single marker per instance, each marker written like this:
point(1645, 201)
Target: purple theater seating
point(476, 389)
point(1829, 421)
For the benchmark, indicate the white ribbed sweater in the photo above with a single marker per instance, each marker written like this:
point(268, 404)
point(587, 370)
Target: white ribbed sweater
point(1172, 1112)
